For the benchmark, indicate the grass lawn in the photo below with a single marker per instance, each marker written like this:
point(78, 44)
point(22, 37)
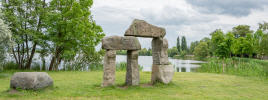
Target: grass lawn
point(185, 86)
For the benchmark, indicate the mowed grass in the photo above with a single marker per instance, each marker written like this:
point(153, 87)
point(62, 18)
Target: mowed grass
point(185, 86)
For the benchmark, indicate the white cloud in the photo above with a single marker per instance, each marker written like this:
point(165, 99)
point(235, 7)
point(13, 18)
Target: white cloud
point(177, 16)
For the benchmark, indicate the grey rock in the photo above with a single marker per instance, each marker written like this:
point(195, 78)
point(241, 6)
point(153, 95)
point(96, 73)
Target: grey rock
point(160, 51)
point(140, 28)
point(120, 43)
point(162, 73)
point(30, 80)
point(132, 74)
point(109, 68)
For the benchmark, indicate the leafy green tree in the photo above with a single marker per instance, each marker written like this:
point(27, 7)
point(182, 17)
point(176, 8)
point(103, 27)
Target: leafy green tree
point(201, 50)
point(241, 31)
point(263, 26)
point(208, 41)
point(178, 44)
point(172, 51)
point(248, 45)
point(263, 45)
point(5, 40)
point(26, 21)
point(73, 31)
point(257, 37)
point(192, 46)
point(183, 44)
point(218, 44)
point(243, 45)
point(121, 52)
point(229, 39)
point(145, 52)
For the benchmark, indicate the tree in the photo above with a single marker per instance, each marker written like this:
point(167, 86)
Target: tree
point(26, 21)
point(257, 39)
point(208, 41)
point(172, 51)
point(263, 26)
point(263, 45)
point(243, 46)
point(72, 31)
point(201, 50)
point(193, 46)
point(183, 44)
point(241, 31)
point(178, 44)
point(5, 40)
point(229, 39)
point(218, 44)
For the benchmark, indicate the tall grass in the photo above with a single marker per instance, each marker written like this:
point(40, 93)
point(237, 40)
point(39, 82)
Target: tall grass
point(122, 66)
point(236, 66)
point(10, 66)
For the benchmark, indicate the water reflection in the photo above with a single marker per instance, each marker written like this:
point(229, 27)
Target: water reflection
point(179, 65)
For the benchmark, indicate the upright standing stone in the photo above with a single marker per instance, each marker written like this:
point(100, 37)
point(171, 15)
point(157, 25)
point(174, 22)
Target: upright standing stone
point(109, 68)
point(162, 73)
point(159, 51)
point(161, 70)
point(132, 74)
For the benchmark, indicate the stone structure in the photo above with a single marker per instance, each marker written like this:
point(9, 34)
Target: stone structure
point(140, 28)
point(132, 75)
point(162, 73)
point(109, 68)
point(159, 51)
point(30, 80)
point(120, 43)
point(161, 70)
point(113, 43)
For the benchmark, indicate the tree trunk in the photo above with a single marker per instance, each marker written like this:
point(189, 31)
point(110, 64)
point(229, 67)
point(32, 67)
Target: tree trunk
point(58, 63)
point(13, 51)
point(53, 60)
point(52, 63)
point(43, 63)
point(19, 57)
point(223, 66)
point(28, 65)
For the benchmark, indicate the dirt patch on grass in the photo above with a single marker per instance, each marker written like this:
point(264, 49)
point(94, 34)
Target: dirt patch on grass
point(147, 85)
point(14, 91)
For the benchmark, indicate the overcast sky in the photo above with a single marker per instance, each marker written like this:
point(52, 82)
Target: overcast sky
point(194, 19)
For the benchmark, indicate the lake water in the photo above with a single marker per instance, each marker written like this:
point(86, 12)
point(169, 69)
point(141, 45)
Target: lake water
point(178, 64)
point(145, 61)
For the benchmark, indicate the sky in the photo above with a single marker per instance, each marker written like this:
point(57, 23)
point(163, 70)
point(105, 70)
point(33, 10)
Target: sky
point(194, 19)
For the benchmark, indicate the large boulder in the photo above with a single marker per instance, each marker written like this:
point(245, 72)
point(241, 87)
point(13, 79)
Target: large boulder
point(120, 43)
point(140, 28)
point(30, 80)
point(162, 73)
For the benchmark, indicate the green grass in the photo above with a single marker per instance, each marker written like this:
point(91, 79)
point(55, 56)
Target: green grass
point(237, 66)
point(185, 86)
